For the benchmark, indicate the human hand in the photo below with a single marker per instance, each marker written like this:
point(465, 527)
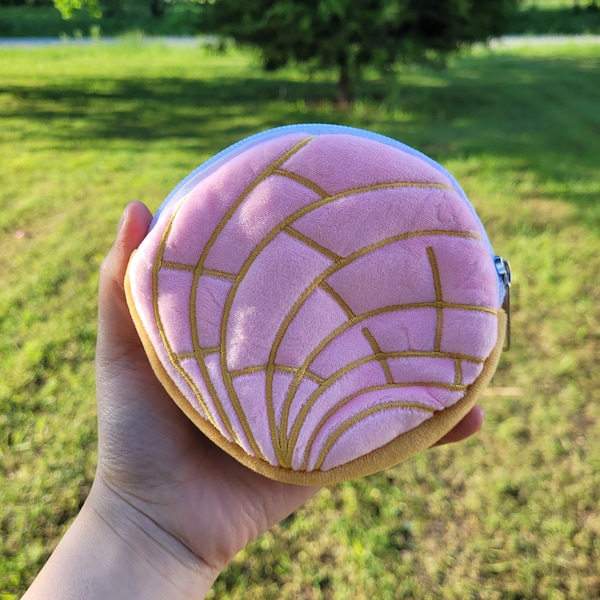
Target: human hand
point(171, 506)
point(151, 457)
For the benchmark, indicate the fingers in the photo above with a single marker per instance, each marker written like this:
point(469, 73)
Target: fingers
point(115, 326)
point(131, 230)
point(467, 427)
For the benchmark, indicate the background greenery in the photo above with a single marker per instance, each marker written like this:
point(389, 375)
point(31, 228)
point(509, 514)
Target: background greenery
point(511, 514)
point(23, 18)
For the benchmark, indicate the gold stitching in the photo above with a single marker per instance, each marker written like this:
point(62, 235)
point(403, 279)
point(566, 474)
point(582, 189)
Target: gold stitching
point(333, 438)
point(174, 266)
point(311, 243)
point(359, 318)
point(302, 180)
point(439, 326)
point(312, 399)
point(229, 301)
point(212, 350)
point(458, 371)
point(438, 305)
point(377, 351)
point(341, 302)
point(219, 274)
point(159, 324)
point(341, 404)
point(282, 368)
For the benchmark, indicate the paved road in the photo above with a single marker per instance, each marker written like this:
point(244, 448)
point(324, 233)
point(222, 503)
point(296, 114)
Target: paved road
point(544, 40)
point(190, 41)
point(49, 41)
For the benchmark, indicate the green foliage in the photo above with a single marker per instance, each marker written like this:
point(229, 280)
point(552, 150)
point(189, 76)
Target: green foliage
point(68, 7)
point(46, 21)
point(349, 35)
point(511, 514)
point(30, 18)
point(110, 8)
point(559, 18)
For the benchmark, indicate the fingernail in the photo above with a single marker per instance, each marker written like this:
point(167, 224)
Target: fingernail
point(121, 221)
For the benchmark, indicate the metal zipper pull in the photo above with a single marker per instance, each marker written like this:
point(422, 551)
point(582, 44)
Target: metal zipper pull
point(503, 269)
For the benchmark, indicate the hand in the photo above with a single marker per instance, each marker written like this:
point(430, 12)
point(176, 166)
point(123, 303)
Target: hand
point(170, 507)
point(154, 458)
point(151, 456)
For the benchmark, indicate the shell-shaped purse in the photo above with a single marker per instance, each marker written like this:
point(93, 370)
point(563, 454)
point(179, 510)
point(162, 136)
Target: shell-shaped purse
point(321, 301)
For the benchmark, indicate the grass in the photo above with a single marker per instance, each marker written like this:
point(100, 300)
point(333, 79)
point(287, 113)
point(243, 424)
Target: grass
point(511, 514)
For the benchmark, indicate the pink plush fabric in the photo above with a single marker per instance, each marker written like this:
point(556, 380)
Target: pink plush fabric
point(315, 297)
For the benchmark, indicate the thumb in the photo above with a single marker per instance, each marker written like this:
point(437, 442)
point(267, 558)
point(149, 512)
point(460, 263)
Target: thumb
point(116, 333)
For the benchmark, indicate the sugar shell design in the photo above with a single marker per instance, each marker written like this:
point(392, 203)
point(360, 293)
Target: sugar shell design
point(315, 297)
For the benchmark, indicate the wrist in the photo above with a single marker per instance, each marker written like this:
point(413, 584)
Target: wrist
point(167, 568)
point(113, 550)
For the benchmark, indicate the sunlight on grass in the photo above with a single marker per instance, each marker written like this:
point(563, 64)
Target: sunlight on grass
point(509, 514)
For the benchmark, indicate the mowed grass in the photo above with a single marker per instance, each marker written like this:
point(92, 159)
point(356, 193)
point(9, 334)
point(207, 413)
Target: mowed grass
point(510, 514)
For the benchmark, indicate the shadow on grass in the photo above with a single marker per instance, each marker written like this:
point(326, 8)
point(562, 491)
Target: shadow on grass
point(204, 114)
point(531, 114)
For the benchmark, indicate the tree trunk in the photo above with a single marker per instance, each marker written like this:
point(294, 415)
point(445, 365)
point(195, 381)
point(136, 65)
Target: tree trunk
point(345, 93)
point(157, 8)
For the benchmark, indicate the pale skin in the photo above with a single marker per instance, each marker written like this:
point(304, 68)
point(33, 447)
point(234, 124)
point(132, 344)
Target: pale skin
point(168, 510)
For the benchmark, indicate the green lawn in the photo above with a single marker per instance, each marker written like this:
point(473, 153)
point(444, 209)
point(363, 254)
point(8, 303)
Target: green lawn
point(511, 514)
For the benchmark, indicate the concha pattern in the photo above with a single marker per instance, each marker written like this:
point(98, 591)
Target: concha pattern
point(317, 296)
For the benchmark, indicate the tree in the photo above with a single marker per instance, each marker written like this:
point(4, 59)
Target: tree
point(350, 34)
point(109, 8)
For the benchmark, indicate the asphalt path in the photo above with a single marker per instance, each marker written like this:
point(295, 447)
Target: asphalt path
point(32, 42)
point(191, 41)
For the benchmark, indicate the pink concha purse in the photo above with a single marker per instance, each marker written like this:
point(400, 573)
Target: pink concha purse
point(321, 301)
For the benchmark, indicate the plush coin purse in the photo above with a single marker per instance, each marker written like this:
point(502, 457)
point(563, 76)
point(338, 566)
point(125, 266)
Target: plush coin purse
point(321, 301)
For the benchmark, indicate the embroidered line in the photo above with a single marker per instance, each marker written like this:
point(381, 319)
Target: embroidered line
point(439, 327)
point(312, 399)
point(334, 268)
point(190, 355)
point(229, 301)
point(334, 437)
point(311, 185)
point(309, 242)
point(174, 266)
point(341, 404)
point(161, 329)
point(458, 371)
point(341, 302)
point(219, 274)
point(377, 352)
point(282, 368)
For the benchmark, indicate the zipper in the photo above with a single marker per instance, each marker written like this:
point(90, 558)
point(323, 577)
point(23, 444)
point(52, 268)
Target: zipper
point(503, 270)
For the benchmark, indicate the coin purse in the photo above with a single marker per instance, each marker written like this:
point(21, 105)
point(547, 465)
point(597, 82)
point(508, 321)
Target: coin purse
point(321, 301)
